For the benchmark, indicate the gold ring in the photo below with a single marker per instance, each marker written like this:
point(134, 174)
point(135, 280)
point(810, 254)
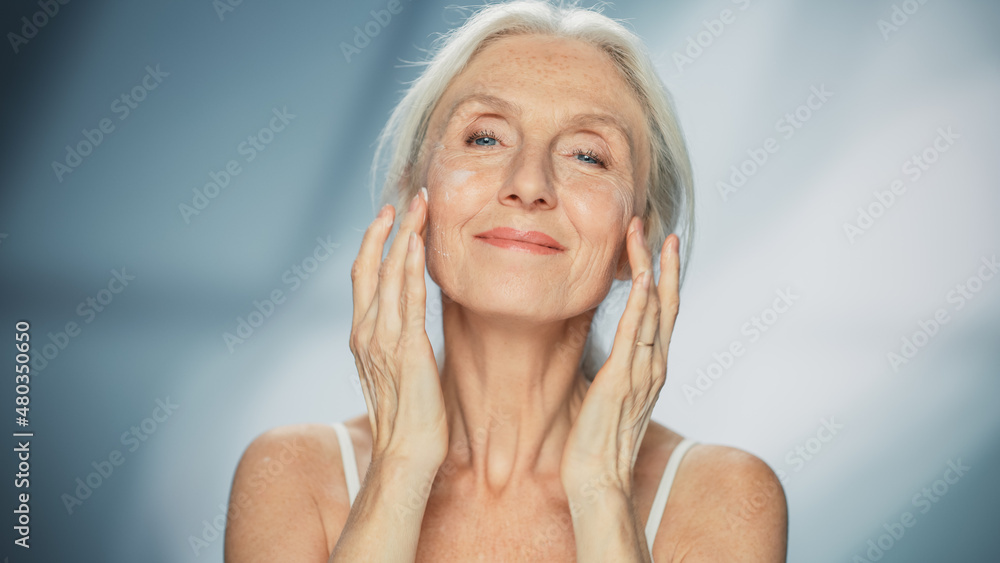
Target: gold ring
point(644, 343)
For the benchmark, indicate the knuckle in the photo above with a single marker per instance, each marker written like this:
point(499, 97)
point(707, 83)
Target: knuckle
point(357, 343)
point(357, 269)
point(671, 305)
point(383, 271)
point(659, 379)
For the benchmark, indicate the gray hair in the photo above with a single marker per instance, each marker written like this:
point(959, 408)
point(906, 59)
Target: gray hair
point(670, 192)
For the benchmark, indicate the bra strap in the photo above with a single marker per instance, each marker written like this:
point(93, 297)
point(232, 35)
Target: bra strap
point(350, 464)
point(663, 491)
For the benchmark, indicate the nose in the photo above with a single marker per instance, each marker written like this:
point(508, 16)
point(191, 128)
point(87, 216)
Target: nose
point(529, 185)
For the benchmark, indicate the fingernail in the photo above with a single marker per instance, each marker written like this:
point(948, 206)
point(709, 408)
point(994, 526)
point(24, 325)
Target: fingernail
point(423, 192)
point(381, 212)
point(639, 228)
point(413, 241)
point(413, 202)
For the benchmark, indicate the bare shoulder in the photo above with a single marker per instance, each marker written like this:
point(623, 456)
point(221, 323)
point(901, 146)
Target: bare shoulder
point(725, 504)
point(288, 493)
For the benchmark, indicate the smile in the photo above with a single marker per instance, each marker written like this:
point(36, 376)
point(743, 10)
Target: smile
point(525, 241)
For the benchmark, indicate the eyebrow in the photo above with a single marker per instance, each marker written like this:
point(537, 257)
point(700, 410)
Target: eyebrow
point(607, 120)
point(485, 99)
point(505, 106)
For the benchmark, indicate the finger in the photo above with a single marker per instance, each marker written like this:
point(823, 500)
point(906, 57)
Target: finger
point(668, 291)
point(639, 257)
point(641, 260)
point(414, 300)
point(628, 327)
point(364, 272)
point(391, 273)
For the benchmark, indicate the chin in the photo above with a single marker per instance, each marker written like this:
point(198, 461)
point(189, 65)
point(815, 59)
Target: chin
point(518, 298)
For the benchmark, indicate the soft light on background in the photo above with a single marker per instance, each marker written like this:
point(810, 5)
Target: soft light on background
point(824, 109)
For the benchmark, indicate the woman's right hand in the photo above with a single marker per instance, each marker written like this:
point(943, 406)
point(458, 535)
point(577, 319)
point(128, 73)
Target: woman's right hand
point(396, 365)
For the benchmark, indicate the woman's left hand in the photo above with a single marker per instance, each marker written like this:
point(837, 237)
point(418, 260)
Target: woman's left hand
point(604, 441)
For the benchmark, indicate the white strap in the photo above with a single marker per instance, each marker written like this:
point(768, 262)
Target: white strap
point(663, 491)
point(347, 456)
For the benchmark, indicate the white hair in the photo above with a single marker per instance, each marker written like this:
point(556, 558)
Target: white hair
point(670, 193)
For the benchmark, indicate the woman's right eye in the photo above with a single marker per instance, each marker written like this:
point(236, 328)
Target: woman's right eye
point(482, 138)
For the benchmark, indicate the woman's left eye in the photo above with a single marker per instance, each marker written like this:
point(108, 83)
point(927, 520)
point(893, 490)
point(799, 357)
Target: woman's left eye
point(488, 138)
point(588, 156)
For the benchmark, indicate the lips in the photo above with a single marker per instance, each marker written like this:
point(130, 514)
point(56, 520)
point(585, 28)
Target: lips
point(527, 241)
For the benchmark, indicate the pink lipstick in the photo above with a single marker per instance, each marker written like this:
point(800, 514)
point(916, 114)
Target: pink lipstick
point(526, 241)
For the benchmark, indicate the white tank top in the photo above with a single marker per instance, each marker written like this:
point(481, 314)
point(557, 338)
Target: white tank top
point(655, 512)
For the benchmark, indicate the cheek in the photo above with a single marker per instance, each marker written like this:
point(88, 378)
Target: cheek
point(599, 216)
point(452, 200)
point(448, 180)
point(452, 195)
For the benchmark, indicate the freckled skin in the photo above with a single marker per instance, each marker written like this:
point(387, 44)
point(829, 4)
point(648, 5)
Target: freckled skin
point(525, 175)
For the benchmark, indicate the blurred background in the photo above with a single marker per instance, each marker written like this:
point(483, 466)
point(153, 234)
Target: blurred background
point(845, 157)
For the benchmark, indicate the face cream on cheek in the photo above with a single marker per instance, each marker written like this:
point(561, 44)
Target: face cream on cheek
point(436, 240)
point(460, 177)
point(456, 181)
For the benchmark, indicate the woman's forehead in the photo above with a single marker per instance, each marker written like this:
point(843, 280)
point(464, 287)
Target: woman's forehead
point(570, 68)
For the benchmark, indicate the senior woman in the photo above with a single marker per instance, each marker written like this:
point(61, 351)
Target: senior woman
point(539, 160)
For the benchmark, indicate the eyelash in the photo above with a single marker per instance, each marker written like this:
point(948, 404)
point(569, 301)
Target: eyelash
point(598, 161)
point(478, 134)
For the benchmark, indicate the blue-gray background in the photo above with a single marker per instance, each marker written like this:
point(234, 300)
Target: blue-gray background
point(825, 359)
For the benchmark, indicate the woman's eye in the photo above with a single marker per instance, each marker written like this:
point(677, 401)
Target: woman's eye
point(482, 139)
point(588, 157)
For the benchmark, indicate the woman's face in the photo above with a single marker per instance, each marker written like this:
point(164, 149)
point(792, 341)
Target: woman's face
point(533, 158)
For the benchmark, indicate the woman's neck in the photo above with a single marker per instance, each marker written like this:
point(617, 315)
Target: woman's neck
point(512, 391)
